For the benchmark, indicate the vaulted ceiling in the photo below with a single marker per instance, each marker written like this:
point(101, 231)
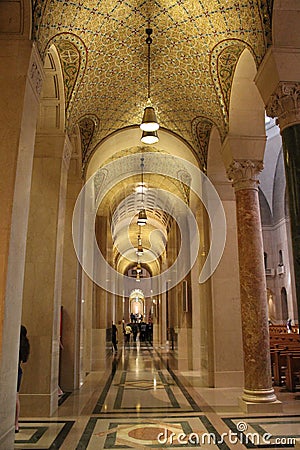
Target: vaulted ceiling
point(196, 46)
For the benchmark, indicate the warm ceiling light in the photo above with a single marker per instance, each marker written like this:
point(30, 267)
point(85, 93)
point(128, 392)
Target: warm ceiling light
point(149, 122)
point(138, 268)
point(140, 250)
point(149, 137)
point(142, 218)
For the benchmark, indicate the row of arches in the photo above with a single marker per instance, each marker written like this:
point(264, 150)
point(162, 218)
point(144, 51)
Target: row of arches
point(40, 268)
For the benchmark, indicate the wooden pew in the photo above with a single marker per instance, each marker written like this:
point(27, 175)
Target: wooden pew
point(285, 352)
point(292, 372)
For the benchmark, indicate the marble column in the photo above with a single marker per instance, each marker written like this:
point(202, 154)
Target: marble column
point(257, 367)
point(284, 104)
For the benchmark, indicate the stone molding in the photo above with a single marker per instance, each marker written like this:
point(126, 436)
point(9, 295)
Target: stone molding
point(244, 174)
point(67, 152)
point(284, 104)
point(36, 72)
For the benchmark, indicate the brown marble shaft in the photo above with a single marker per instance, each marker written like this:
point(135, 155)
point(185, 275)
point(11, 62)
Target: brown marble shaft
point(254, 308)
point(253, 296)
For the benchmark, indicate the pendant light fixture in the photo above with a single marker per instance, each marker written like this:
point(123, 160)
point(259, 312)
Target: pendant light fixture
point(142, 217)
point(149, 137)
point(138, 267)
point(149, 123)
point(140, 249)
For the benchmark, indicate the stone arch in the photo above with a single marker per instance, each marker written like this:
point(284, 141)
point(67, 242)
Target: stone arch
point(130, 137)
point(72, 54)
point(223, 62)
point(279, 190)
point(265, 210)
point(246, 108)
point(52, 103)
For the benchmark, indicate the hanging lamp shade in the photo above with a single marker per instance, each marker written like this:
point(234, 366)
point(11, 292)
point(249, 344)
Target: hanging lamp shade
point(149, 122)
point(138, 268)
point(149, 137)
point(140, 249)
point(142, 218)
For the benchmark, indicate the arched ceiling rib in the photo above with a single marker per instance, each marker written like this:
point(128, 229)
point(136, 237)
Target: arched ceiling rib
point(104, 55)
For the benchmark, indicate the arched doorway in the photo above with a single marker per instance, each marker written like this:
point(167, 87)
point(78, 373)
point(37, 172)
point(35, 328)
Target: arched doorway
point(137, 304)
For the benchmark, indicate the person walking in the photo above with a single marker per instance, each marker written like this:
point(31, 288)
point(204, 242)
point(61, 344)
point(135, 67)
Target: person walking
point(128, 331)
point(24, 349)
point(114, 334)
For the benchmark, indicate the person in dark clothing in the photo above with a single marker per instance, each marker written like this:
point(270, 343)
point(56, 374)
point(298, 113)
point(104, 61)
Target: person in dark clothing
point(143, 331)
point(134, 328)
point(24, 349)
point(128, 331)
point(150, 332)
point(114, 334)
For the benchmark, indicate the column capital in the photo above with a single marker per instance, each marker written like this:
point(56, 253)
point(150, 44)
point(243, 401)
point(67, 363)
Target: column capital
point(284, 104)
point(244, 173)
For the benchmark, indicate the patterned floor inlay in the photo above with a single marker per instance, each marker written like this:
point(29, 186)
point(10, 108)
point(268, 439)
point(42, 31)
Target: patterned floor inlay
point(42, 434)
point(143, 387)
point(132, 432)
point(265, 432)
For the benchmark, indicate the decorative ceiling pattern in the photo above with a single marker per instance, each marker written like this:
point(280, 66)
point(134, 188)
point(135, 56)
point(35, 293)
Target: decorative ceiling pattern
point(224, 58)
point(87, 127)
point(201, 128)
point(191, 67)
point(72, 53)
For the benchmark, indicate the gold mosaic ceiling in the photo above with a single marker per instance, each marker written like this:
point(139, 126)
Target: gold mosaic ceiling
point(196, 45)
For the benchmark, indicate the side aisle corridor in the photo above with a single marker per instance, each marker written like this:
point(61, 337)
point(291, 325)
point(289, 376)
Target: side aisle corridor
point(140, 402)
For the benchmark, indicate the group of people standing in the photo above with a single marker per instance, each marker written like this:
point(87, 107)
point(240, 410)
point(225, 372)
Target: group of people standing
point(141, 330)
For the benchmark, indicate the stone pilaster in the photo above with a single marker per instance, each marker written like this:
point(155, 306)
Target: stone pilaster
point(100, 307)
point(21, 77)
point(71, 286)
point(284, 104)
point(43, 273)
point(257, 368)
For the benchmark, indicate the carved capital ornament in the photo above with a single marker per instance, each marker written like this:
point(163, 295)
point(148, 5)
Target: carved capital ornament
point(244, 174)
point(284, 104)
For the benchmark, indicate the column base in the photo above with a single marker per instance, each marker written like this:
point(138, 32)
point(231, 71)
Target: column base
point(260, 401)
point(259, 395)
point(262, 408)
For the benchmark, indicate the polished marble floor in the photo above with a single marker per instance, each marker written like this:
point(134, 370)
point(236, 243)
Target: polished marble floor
point(141, 403)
